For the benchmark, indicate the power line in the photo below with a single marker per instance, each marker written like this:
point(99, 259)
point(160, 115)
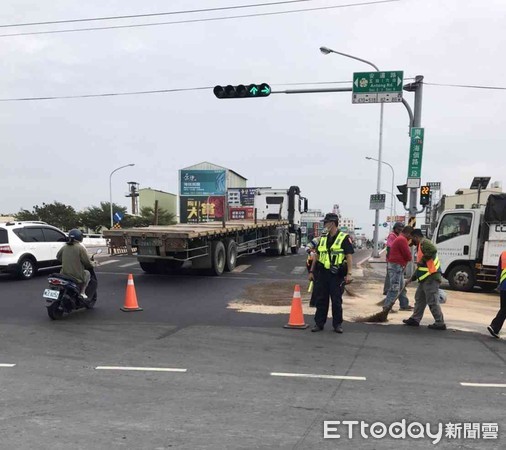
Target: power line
point(209, 19)
point(170, 13)
point(157, 91)
point(468, 86)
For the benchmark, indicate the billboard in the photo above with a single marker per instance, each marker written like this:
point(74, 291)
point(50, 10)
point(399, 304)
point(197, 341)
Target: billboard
point(241, 213)
point(201, 209)
point(202, 182)
point(242, 196)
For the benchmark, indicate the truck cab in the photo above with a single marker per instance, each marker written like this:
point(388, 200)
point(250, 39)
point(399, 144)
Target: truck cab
point(468, 248)
point(283, 204)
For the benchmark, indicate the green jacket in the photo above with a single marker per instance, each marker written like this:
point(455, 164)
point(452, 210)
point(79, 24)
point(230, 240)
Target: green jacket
point(75, 260)
point(429, 251)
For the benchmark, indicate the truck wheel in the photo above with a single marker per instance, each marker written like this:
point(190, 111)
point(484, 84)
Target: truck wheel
point(148, 267)
point(277, 247)
point(295, 250)
point(231, 251)
point(284, 250)
point(218, 258)
point(461, 278)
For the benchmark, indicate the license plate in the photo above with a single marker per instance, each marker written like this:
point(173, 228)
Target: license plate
point(51, 293)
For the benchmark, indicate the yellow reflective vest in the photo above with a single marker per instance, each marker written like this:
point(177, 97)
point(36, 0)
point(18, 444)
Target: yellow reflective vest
point(336, 256)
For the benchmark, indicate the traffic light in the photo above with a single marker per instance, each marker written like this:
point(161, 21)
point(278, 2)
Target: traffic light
point(242, 91)
point(424, 195)
point(403, 196)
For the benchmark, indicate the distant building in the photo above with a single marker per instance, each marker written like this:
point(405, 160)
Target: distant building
point(347, 223)
point(166, 200)
point(466, 198)
point(311, 224)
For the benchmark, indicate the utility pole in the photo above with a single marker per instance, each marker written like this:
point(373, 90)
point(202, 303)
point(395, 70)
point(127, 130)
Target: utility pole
point(417, 88)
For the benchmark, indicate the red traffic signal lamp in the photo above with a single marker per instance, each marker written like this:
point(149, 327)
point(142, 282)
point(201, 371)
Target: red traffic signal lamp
point(242, 91)
point(424, 195)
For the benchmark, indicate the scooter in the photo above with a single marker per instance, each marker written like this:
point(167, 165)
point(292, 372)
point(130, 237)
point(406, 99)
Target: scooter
point(63, 294)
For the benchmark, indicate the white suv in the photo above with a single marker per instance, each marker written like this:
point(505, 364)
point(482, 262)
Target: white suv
point(26, 247)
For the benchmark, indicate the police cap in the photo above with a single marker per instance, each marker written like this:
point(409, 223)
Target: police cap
point(331, 217)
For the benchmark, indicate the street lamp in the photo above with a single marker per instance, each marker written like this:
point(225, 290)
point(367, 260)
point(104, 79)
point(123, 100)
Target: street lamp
point(392, 204)
point(110, 187)
point(327, 51)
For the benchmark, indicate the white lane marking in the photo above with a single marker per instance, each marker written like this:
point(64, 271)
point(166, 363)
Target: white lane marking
point(129, 264)
point(241, 268)
point(495, 385)
point(268, 260)
point(272, 267)
point(313, 375)
point(109, 261)
point(298, 270)
point(146, 369)
point(7, 365)
point(363, 261)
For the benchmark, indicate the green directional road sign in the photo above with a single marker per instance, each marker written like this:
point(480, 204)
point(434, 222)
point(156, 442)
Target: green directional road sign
point(415, 153)
point(377, 87)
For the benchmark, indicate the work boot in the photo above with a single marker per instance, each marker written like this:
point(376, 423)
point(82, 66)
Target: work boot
point(406, 308)
point(437, 326)
point(316, 328)
point(339, 329)
point(411, 322)
point(492, 332)
point(83, 296)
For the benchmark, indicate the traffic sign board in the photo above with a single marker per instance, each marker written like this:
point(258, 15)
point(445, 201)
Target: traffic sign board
point(377, 201)
point(385, 224)
point(434, 185)
point(415, 153)
point(377, 87)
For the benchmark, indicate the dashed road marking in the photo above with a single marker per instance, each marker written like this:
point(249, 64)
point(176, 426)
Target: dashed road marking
point(141, 369)
point(241, 268)
point(7, 365)
point(272, 267)
point(492, 385)
point(314, 375)
point(109, 261)
point(298, 270)
point(129, 264)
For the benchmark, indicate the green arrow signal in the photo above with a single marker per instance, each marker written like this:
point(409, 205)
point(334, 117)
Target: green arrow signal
point(266, 90)
point(253, 90)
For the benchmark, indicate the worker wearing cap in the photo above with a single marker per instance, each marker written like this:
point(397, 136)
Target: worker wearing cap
point(333, 266)
point(394, 234)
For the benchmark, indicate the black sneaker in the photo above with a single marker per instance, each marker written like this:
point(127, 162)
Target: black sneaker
point(437, 326)
point(316, 328)
point(411, 322)
point(492, 332)
point(339, 329)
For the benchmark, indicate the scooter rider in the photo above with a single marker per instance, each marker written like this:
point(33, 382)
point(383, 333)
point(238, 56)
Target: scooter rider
point(75, 260)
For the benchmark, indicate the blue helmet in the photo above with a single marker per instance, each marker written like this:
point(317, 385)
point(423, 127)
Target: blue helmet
point(75, 235)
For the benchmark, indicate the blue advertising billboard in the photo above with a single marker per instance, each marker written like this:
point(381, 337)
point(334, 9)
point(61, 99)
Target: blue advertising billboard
point(202, 182)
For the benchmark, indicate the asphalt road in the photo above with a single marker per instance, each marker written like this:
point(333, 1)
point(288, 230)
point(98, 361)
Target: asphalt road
point(227, 379)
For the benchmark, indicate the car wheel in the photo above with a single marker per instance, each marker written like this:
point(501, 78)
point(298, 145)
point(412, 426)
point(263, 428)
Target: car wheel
point(26, 268)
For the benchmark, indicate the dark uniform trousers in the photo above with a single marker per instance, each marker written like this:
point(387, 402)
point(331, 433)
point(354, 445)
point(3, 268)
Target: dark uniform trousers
point(329, 285)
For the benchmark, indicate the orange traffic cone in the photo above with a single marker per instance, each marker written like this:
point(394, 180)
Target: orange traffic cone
point(296, 319)
point(130, 296)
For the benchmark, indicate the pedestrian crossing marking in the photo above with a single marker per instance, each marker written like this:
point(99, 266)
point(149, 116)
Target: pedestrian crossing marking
point(129, 264)
point(298, 270)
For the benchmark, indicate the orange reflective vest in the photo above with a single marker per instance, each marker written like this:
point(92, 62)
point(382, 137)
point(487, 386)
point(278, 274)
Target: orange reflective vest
point(431, 266)
point(503, 267)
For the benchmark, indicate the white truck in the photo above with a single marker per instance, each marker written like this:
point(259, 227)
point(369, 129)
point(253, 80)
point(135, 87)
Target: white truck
point(215, 246)
point(469, 243)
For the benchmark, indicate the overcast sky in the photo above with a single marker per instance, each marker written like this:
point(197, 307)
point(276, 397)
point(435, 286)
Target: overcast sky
point(64, 150)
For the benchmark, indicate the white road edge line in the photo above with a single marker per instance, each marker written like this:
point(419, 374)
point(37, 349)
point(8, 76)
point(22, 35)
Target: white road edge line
point(146, 369)
point(313, 375)
point(241, 268)
point(7, 365)
point(495, 385)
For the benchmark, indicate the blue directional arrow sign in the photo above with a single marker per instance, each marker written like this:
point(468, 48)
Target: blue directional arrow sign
point(118, 216)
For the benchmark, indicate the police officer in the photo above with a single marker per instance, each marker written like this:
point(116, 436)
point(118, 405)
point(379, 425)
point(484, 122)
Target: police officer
point(333, 266)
